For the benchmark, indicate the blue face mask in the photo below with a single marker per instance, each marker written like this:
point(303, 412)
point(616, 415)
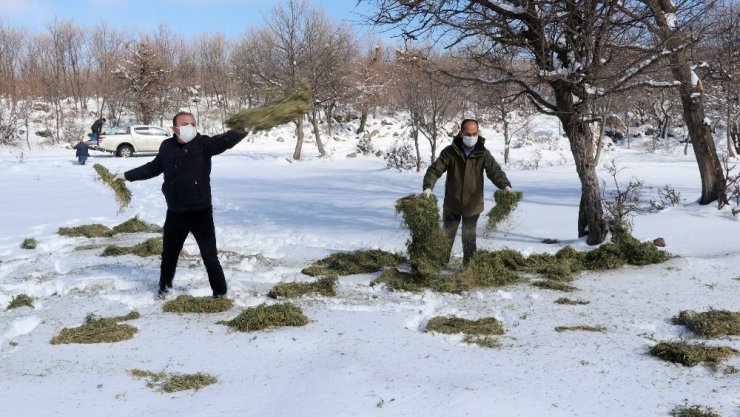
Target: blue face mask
point(469, 141)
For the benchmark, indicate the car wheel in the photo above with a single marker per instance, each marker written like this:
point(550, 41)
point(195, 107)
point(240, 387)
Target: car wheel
point(124, 151)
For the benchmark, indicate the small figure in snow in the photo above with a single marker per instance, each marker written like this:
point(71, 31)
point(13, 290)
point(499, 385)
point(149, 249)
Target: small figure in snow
point(185, 161)
point(464, 160)
point(97, 128)
point(82, 151)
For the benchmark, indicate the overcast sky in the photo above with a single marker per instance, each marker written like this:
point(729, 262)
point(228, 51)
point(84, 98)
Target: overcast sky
point(230, 17)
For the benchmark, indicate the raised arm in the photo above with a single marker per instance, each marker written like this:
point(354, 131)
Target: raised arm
point(219, 143)
point(149, 170)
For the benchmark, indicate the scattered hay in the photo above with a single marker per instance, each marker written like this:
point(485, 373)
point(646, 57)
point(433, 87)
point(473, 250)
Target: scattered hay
point(549, 241)
point(98, 330)
point(86, 230)
point(29, 243)
point(89, 247)
point(636, 252)
point(568, 301)
point(712, 323)
point(20, 300)
point(482, 341)
point(694, 411)
point(123, 194)
point(487, 326)
point(190, 304)
point(691, 354)
point(561, 329)
point(549, 284)
point(174, 382)
point(396, 280)
point(485, 270)
point(278, 112)
point(506, 202)
point(264, 317)
point(325, 286)
point(351, 263)
point(428, 246)
point(150, 247)
point(134, 225)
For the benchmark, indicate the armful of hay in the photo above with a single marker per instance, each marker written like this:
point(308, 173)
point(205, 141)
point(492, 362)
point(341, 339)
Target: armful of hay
point(123, 194)
point(281, 111)
point(506, 202)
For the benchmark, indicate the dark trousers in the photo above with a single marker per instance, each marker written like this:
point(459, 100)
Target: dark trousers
point(176, 229)
point(450, 223)
point(81, 159)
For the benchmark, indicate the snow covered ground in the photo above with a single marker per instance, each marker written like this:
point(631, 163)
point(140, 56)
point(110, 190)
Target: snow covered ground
point(365, 352)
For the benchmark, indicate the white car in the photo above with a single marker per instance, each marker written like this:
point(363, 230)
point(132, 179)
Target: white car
point(124, 141)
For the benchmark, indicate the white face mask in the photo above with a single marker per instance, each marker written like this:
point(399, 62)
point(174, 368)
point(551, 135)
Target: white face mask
point(187, 133)
point(469, 141)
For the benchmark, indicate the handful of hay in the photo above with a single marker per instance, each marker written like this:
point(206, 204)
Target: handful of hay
point(278, 112)
point(123, 194)
point(506, 202)
point(428, 246)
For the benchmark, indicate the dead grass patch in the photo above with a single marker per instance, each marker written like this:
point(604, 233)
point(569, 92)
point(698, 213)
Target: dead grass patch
point(691, 354)
point(554, 285)
point(86, 230)
point(150, 247)
point(190, 304)
point(482, 341)
point(123, 194)
point(351, 263)
point(580, 328)
point(712, 323)
point(20, 300)
point(135, 225)
point(264, 317)
point(29, 243)
point(396, 280)
point(506, 202)
point(694, 411)
point(98, 330)
point(568, 301)
point(325, 286)
point(163, 382)
point(486, 326)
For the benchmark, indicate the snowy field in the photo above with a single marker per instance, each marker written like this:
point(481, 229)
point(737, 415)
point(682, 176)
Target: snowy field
point(365, 352)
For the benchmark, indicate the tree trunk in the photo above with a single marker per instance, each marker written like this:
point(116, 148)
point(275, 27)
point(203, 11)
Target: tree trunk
point(299, 139)
point(317, 131)
point(329, 115)
point(363, 120)
point(415, 135)
point(729, 123)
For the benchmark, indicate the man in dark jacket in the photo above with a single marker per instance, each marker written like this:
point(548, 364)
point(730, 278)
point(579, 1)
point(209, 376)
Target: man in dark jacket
point(97, 128)
point(82, 151)
point(464, 161)
point(185, 160)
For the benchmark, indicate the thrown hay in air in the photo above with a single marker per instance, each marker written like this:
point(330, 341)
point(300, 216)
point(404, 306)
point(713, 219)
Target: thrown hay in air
point(86, 230)
point(174, 382)
point(428, 246)
point(712, 323)
point(98, 330)
point(29, 243)
point(691, 354)
point(123, 194)
point(264, 317)
point(351, 263)
point(20, 300)
point(325, 286)
point(190, 304)
point(150, 247)
point(134, 225)
point(506, 202)
point(580, 328)
point(486, 326)
point(278, 112)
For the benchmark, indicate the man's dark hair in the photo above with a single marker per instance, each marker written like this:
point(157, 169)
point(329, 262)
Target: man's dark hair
point(462, 125)
point(181, 113)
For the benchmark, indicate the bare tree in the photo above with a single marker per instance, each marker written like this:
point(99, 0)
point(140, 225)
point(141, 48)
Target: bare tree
point(141, 78)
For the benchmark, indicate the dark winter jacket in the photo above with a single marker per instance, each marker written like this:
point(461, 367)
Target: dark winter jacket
point(464, 184)
point(97, 126)
point(82, 149)
point(187, 169)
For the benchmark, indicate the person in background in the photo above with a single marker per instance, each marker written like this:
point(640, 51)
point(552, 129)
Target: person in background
point(465, 161)
point(185, 161)
point(97, 128)
point(82, 151)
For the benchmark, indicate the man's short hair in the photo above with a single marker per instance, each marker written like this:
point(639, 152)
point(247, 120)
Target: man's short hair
point(462, 125)
point(181, 113)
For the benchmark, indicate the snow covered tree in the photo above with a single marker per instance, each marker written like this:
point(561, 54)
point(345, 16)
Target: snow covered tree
point(141, 78)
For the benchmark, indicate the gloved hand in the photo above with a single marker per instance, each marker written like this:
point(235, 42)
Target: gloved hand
point(427, 192)
point(119, 176)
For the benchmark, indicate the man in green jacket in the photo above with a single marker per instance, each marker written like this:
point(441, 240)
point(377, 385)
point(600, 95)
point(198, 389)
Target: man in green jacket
point(464, 161)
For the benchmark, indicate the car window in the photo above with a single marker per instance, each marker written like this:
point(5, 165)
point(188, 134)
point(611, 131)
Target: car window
point(150, 131)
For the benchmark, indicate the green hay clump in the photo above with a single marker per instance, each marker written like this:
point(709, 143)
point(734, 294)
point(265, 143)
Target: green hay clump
point(123, 194)
point(150, 247)
point(694, 411)
point(485, 270)
point(190, 304)
point(506, 202)
point(351, 263)
point(568, 301)
point(636, 252)
point(174, 382)
point(264, 317)
point(580, 329)
point(281, 111)
point(20, 300)
point(549, 284)
point(691, 354)
point(98, 330)
point(29, 243)
point(396, 280)
point(134, 225)
point(712, 323)
point(86, 230)
point(325, 286)
point(487, 326)
point(428, 247)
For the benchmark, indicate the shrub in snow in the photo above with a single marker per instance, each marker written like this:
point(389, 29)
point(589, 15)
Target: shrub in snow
point(401, 156)
point(365, 145)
